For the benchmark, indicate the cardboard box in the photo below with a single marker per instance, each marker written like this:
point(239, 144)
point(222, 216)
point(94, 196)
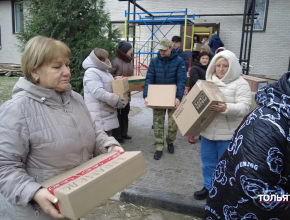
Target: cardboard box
point(136, 83)
point(193, 114)
point(254, 82)
point(83, 188)
point(161, 96)
point(120, 86)
point(254, 104)
point(197, 46)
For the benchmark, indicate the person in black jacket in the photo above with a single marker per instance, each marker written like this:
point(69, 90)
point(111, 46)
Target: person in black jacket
point(197, 72)
point(176, 44)
point(253, 174)
point(198, 69)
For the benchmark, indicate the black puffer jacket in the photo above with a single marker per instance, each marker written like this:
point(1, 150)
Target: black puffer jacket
point(197, 72)
point(257, 162)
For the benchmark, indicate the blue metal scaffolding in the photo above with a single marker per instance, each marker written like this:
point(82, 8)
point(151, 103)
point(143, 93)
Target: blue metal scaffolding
point(168, 19)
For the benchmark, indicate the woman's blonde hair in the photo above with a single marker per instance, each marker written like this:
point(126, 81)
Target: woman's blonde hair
point(41, 50)
point(101, 54)
point(220, 59)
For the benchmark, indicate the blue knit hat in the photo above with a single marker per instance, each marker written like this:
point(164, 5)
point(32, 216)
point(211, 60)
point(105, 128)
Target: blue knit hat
point(124, 46)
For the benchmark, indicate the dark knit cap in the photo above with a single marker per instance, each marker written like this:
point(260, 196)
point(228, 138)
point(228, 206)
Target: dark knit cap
point(124, 46)
point(176, 38)
point(203, 53)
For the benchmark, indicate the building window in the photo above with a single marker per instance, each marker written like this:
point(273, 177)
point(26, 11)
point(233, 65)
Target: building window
point(17, 13)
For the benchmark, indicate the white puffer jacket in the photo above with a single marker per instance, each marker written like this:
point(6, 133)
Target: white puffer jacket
point(98, 93)
point(238, 94)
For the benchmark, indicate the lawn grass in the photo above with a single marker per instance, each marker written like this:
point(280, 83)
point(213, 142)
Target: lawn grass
point(6, 86)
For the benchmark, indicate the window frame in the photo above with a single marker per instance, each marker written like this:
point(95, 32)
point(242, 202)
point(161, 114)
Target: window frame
point(13, 8)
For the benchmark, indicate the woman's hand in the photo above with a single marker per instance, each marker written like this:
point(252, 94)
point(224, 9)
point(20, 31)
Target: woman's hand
point(118, 77)
point(146, 102)
point(45, 199)
point(219, 107)
point(117, 149)
point(177, 103)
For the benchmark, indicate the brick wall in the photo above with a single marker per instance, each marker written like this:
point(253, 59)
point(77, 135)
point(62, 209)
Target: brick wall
point(9, 52)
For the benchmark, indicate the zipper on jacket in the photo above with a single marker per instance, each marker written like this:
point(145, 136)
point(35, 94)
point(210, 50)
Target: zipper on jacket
point(75, 125)
point(228, 122)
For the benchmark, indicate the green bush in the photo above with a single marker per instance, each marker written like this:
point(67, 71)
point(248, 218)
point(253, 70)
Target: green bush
point(81, 24)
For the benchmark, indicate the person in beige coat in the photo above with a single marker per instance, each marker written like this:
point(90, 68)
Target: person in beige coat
point(225, 71)
point(46, 129)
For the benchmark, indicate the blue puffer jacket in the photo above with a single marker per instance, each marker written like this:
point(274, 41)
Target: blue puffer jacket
point(214, 43)
point(167, 71)
point(184, 56)
point(257, 162)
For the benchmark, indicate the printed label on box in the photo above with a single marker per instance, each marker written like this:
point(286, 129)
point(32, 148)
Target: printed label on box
point(200, 102)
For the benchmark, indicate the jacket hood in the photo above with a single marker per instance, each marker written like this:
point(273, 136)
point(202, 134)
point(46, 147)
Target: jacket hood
point(172, 55)
point(276, 96)
point(216, 37)
point(234, 70)
point(47, 96)
point(92, 61)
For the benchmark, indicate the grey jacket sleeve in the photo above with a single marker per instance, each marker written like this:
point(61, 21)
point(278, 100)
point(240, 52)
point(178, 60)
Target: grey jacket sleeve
point(94, 84)
point(15, 184)
point(103, 141)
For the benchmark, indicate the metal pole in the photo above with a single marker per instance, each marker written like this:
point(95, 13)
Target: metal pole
point(243, 31)
point(134, 26)
point(251, 35)
point(128, 18)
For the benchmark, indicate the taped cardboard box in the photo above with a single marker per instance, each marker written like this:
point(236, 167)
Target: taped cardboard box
point(83, 188)
point(193, 114)
point(254, 104)
point(161, 96)
point(120, 86)
point(136, 83)
point(254, 82)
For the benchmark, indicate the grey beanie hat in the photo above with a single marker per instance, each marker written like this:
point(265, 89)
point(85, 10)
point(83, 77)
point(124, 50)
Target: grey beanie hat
point(124, 46)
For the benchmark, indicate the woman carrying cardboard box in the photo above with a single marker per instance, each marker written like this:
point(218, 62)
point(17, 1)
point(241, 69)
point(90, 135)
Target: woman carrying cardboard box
point(46, 129)
point(225, 71)
point(99, 97)
point(122, 66)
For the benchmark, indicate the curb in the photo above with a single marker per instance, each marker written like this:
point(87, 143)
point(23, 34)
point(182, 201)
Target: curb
point(163, 200)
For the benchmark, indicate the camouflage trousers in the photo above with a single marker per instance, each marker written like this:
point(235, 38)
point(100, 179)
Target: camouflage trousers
point(158, 122)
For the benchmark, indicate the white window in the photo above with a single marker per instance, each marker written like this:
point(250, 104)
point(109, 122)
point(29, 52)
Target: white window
point(18, 16)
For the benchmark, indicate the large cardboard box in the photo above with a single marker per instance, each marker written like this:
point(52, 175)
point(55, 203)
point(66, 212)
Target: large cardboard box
point(136, 83)
point(83, 188)
point(161, 96)
point(254, 82)
point(254, 104)
point(120, 86)
point(197, 46)
point(193, 114)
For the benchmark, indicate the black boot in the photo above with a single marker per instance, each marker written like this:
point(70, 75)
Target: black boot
point(158, 155)
point(126, 137)
point(170, 148)
point(201, 195)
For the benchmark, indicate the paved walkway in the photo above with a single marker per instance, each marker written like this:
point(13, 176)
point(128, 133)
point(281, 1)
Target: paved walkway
point(170, 181)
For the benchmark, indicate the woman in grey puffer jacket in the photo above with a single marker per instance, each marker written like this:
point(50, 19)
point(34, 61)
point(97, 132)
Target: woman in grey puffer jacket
point(98, 93)
point(45, 130)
